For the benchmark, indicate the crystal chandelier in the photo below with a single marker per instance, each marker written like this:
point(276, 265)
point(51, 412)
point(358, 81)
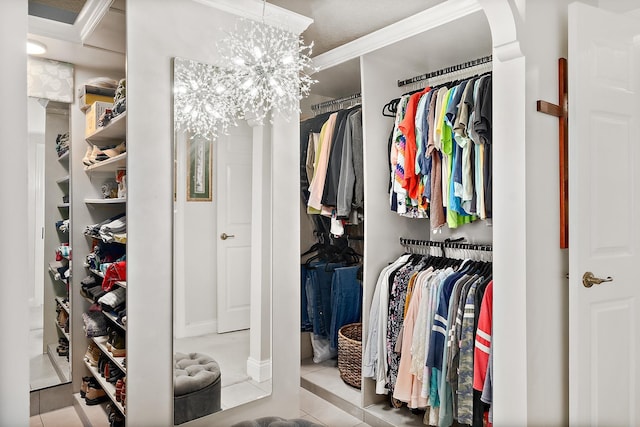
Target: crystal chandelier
point(204, 102)
point(271, 68)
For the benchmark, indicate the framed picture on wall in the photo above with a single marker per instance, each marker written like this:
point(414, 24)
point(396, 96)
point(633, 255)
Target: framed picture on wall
point(199, 159)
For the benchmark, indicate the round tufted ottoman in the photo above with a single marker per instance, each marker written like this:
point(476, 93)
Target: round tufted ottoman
point(196, 386)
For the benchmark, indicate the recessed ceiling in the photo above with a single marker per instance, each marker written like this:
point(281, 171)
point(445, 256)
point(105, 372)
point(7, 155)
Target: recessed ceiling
point(65, 11)
point(102, 47)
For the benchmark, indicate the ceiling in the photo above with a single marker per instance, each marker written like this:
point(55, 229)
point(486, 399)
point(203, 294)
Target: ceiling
point(336, 22)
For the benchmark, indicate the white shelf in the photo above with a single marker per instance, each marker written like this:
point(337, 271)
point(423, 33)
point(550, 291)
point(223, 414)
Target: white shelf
point(96, 272)
point(53, 265)
point(105, 201)
point(101, 342)
point(109, 388)
point(63, 205)
point(92, 415)
point(60, 302)
point(63, 180)
point(121, 239)
point(64, 157)
point(114, 319)
point(115, 130)
point(109, 165)
point(122, 284)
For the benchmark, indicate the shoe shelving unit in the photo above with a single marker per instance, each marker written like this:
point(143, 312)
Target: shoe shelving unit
point(57, 190)
point(109, 388)
point(91, 207)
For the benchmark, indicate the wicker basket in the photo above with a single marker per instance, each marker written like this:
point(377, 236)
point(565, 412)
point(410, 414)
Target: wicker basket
point(350, 354)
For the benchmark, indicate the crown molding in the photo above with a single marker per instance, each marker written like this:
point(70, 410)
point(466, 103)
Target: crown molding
point(428, 19)
point(86, 22)
point(252, 9)
point(90, 16)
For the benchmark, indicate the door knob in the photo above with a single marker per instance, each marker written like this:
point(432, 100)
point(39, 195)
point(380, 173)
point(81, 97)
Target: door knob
point(588, 279)
point(225, 236)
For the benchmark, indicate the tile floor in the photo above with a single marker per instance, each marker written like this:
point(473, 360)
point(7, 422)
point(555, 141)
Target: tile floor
point(312, 408)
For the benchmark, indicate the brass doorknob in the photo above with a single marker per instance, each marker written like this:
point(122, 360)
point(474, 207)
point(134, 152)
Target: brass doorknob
point(588, 279)
point(225, 236)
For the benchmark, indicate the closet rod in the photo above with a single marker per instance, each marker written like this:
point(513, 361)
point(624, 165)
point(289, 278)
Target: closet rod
point(446, 70)
point(335, 101)
point(448, 243)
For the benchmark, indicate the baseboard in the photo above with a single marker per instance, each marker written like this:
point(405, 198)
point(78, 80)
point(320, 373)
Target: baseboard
point(50, 398)
point(259, 370)
point(197, 328)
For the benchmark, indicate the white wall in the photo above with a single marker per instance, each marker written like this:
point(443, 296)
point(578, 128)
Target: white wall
point(547, 264)
point(14, 364)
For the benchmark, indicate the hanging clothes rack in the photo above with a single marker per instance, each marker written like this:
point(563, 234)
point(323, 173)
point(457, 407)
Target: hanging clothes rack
point(462, 70)
point(459, 244)
point(336, 104)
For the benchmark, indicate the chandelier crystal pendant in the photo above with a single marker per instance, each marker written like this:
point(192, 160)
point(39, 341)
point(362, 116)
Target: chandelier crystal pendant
point(270, 68)
point(204, 100)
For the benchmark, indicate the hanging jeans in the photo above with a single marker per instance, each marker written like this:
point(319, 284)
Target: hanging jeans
point(318, 289)
point(346, 300)
point(305, 321)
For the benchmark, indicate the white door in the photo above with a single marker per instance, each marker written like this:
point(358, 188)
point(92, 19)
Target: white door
point(604, 222)
point(39, 224)
point(234, 228)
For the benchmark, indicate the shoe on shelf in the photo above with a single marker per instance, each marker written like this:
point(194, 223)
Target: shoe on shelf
point(116, 419)
point(118, 346)
point(95, 394)
point(86, 381)
point(93, 354)
point(114, 374)
point(86, 160)
point(123, 393)
point(119, 385)
point(115, 151)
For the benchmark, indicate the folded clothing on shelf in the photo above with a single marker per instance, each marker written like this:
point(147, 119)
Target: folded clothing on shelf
point(62, 143)
point(92, 292)
point(115, 272)
point(62, 273)
point(95, 324)
point(120, 98)
point(63, 225)
point(63, 251)
point(106, 229)
point(114, 298)
point(103, 254)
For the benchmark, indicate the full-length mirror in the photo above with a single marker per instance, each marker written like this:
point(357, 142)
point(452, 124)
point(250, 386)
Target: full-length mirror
point(222, 305)
point(49, 237)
